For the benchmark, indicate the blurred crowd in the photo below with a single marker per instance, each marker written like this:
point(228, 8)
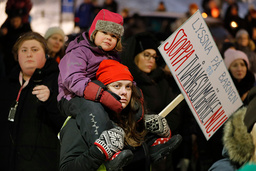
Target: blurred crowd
point(235, 38)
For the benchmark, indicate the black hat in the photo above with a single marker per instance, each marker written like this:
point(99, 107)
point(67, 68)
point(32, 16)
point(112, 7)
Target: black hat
point(145, 41)
point(15, 13)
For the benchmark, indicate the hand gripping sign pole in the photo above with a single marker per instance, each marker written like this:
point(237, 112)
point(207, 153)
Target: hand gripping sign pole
point(171, 105)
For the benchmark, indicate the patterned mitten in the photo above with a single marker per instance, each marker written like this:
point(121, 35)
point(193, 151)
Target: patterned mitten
point(111, 141)
point(157, 124)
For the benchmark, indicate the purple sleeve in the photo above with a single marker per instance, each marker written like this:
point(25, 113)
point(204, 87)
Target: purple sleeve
point(73, 72)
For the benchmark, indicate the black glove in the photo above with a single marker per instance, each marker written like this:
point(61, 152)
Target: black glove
point(111, 141)
point(97, 91)
point(157, 124)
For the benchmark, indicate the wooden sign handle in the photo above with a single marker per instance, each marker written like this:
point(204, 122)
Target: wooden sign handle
point(171, 105)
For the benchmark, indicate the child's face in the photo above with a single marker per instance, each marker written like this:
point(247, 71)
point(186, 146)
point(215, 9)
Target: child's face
point(31, 55)
point(106, 40)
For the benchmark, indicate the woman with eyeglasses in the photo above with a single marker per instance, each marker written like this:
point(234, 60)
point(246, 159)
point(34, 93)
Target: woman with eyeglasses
point(141, 55)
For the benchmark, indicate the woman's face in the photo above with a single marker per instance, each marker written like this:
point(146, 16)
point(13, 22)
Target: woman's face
point(55, 42)
point(31, 55)
point(234, 11)
point(243, 40)
point(238, 69)
point(123, 88)
point(16, 22)
point(106, 40)
point(146, 60)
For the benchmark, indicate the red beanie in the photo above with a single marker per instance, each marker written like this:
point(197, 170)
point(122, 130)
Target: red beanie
point(110, 71)
point(107, 21)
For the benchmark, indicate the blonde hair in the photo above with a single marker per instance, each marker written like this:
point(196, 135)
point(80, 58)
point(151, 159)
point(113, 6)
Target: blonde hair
point(136, 58)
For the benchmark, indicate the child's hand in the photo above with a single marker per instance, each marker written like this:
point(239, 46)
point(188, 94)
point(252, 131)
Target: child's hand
point(96, 91)
point(42, 92)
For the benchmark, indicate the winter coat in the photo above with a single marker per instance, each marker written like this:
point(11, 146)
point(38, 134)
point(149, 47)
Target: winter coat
point(238, 144)
point(30, 142)
point(79, 66)
point(75, 150)
point(223, 165)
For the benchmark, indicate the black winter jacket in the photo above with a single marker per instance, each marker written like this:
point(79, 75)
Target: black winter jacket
point(75, 151)
point(76, 154)
point(30, 142)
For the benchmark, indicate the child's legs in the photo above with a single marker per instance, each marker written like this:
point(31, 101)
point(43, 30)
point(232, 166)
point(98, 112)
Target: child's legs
point(91, 117)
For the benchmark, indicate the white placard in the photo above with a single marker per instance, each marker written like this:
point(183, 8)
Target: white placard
point(199, 70)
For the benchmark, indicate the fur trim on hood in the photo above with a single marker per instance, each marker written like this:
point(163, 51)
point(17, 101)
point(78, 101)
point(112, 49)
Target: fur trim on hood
point(236, 139)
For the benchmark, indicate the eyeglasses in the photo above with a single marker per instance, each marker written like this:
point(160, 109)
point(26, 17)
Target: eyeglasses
point(148, 56)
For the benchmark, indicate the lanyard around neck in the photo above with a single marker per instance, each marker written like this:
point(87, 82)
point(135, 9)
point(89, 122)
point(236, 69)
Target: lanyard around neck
point(23, 85)
point(12, 111)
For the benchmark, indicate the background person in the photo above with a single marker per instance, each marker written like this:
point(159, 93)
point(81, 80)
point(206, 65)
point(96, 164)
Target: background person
point(232, 21)
point(161, 7)
point(23, 6)
point(250, 19)
point(237, 64)
point(11, 31)
point(193, 7)
point(84, 15)
point(244, 43)
point(30, 118)
point(55, 38)
point(110, 5)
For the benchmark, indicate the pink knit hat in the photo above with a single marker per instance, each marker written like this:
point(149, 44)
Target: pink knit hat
point(107, 21)
point(230, 55)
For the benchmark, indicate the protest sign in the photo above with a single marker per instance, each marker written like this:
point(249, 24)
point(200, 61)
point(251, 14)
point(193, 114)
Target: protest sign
point(199, 70)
